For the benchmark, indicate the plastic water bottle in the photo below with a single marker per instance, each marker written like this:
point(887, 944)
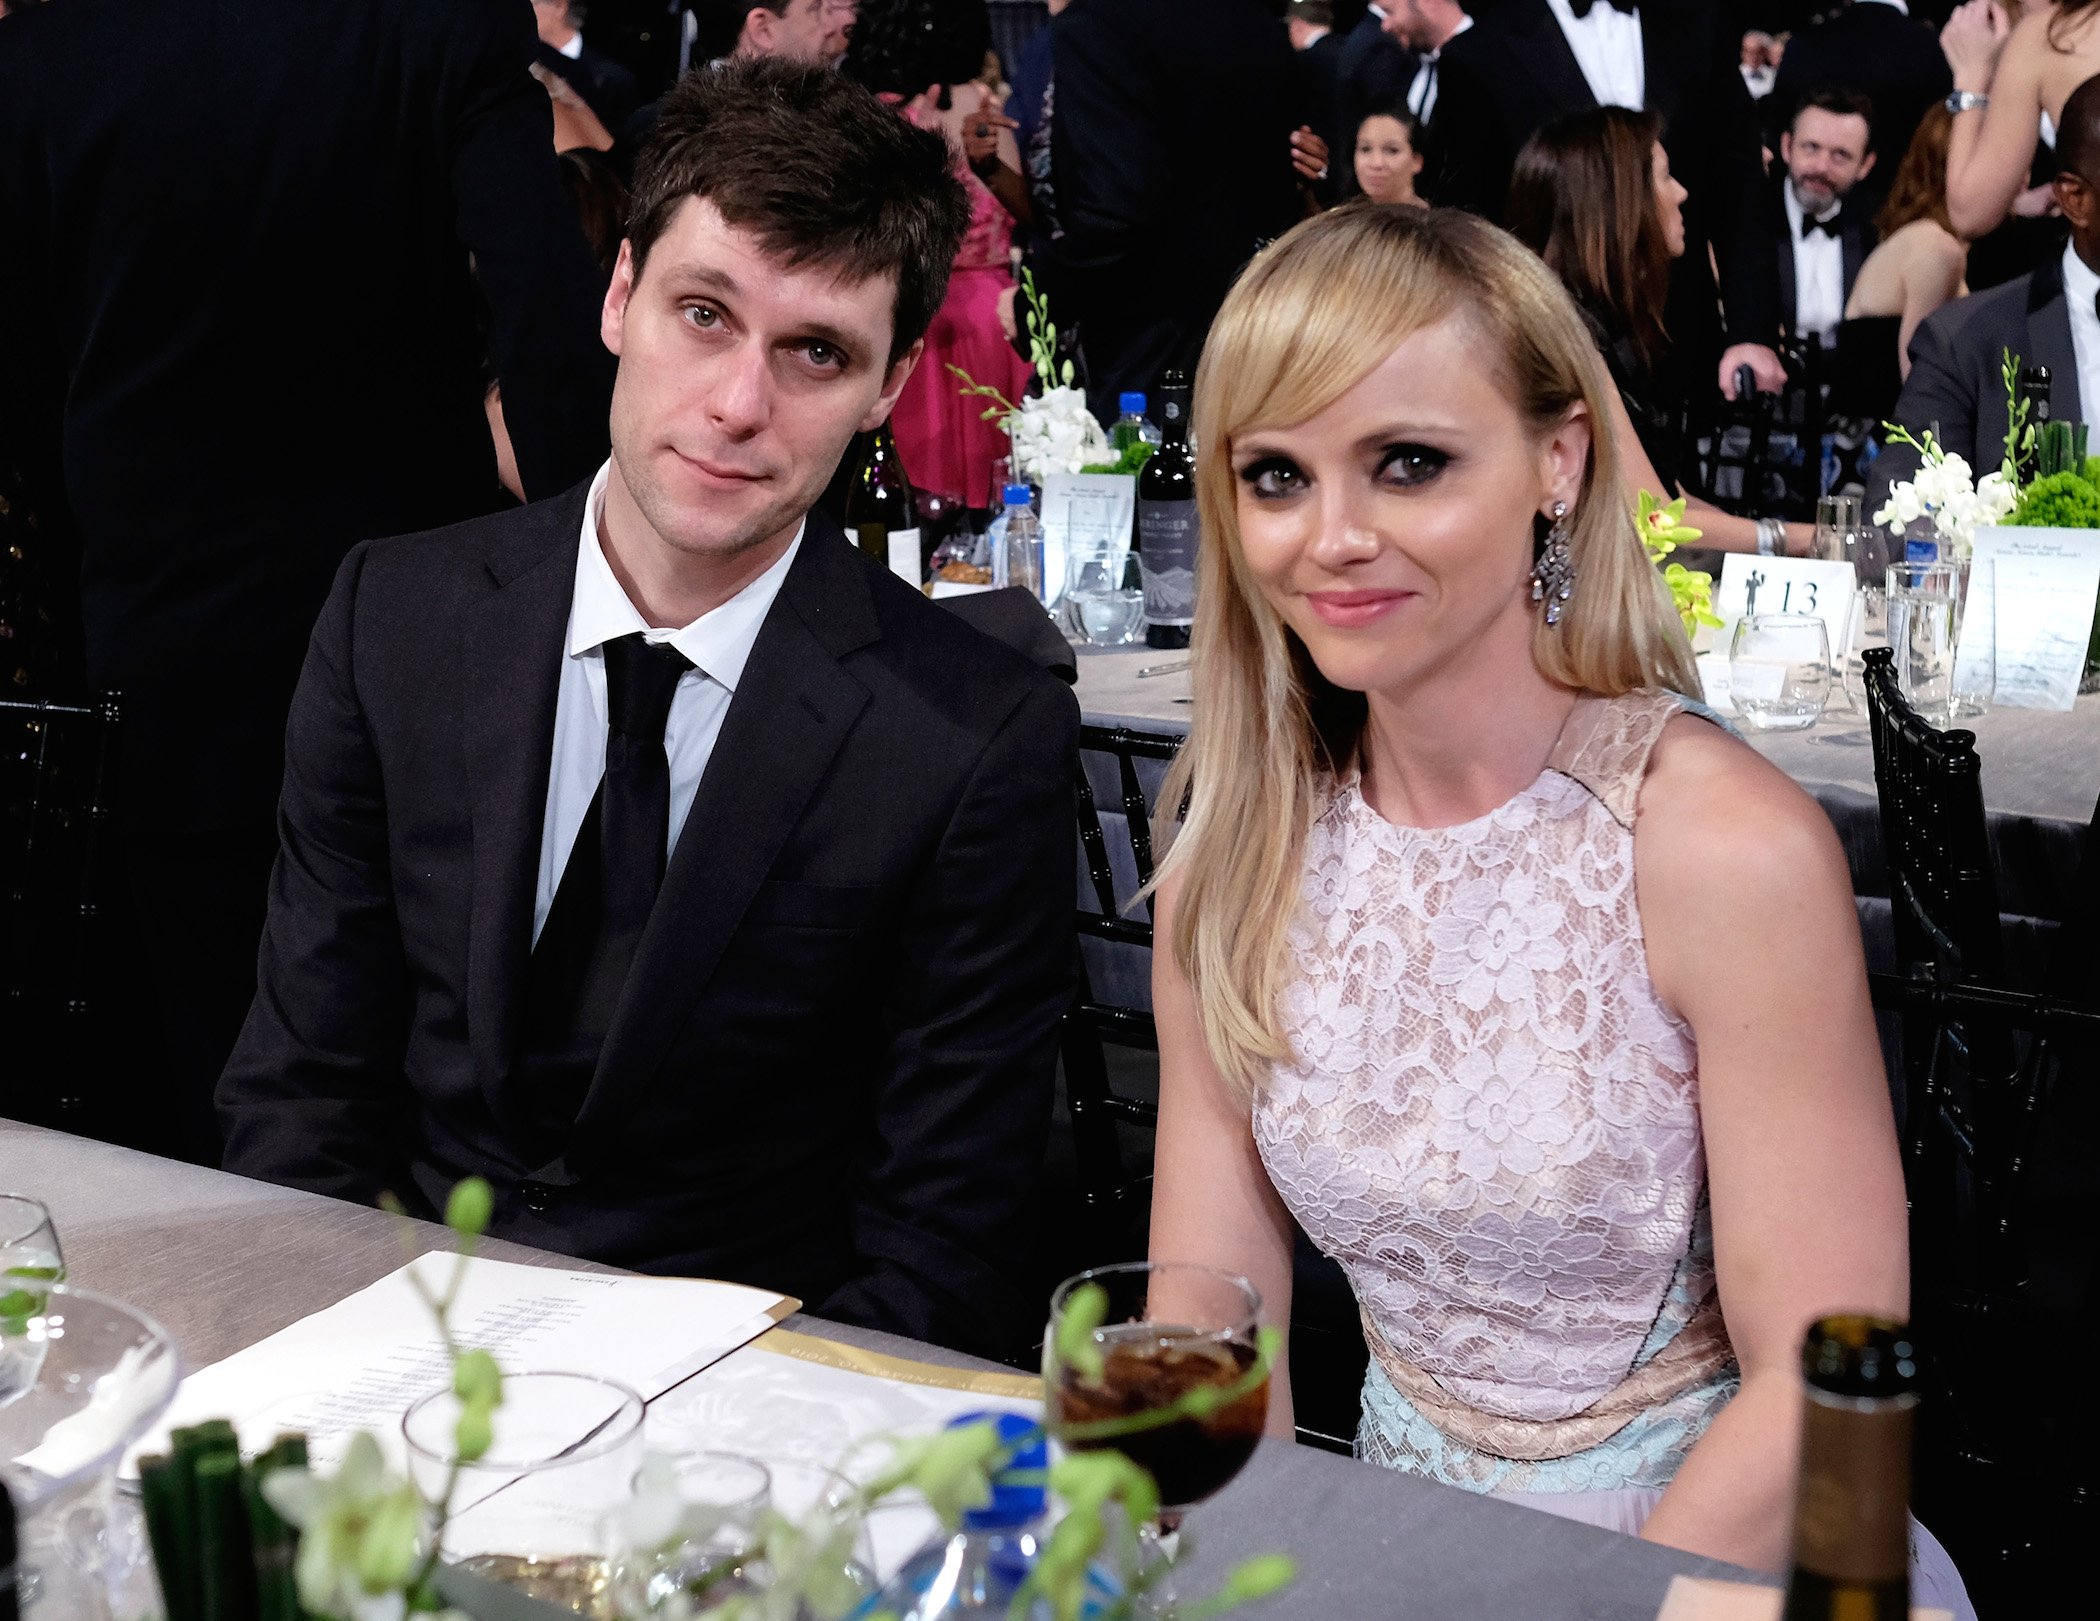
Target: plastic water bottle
point(1132, 428)
point(979, 1569)
point(1020, 543)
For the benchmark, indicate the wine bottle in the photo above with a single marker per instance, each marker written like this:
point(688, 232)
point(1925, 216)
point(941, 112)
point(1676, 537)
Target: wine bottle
point(10, 1591)
point(880, 514)
point(1852, 1510)
point(1166, 522)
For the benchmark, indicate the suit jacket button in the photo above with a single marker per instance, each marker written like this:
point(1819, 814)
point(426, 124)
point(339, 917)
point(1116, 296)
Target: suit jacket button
point(537, 1196)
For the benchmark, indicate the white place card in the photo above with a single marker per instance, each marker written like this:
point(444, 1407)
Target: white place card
point(1086, 509)
point(1796, 585)
point(361, 1362)
point(2037, 597)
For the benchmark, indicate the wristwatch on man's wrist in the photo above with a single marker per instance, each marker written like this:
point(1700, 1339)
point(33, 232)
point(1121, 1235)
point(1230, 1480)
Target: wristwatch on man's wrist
point(1967, 100)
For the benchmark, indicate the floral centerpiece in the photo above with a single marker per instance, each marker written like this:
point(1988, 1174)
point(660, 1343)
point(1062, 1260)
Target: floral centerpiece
point(1052, 430)
point(1663, 530)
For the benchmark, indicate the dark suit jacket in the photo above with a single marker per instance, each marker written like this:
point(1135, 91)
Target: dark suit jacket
point(1513, 71)
point(607, 88)
point(1957, 382)
point(1171, 150)
point(1893, 60)
point(1855, 239)
point(830, 1073)
point(242, 333)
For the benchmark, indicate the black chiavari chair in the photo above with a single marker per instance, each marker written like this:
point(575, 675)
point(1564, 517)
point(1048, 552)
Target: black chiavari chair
point(2008, 1484)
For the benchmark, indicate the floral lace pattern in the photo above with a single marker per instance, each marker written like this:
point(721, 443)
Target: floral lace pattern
point(1492, 1121)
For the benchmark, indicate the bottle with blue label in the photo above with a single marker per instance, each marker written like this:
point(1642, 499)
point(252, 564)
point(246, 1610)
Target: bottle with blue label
point(979, 1569)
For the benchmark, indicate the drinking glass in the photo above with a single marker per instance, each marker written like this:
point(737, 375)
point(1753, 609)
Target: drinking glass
point(530, 1511)
point(1779, 671)
point(683, 1543)
point(1974, 682)
point(1127, 1343)
point(1923, 598)
point(1837, 528)
point(30, 1261)
point(1104, 597)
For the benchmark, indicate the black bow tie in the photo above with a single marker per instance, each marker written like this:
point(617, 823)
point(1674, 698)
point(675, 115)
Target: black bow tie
point(1582, 8)
point(1829, 226)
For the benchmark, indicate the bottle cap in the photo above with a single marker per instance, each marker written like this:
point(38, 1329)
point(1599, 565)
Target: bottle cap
point(1860, 1356)
point(1131, 405)
point(1013, 1502)
point(1016, 495)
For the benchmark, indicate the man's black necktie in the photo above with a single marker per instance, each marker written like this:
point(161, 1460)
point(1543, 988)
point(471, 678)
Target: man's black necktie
point(1581, 8)
point(608, 888)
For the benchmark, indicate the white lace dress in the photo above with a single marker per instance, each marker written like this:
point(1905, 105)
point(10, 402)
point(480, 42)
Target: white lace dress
point(1492, 1123)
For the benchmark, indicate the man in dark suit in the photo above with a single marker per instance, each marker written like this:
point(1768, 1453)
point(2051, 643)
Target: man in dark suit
point(244, 334)
point(1820, 237)
point(2050, 317)
point(607, 88)
point(654, 853)
point(1877, 49)
point(1171, 149)
point(1531, 61)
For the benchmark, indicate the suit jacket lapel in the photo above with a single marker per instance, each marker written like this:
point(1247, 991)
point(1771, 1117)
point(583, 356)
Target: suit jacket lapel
point(512, 646)
point(1856, 247)
point(1789, 286)
point(2049, 338)
point(793, 708)
point(1665, 38)
point(1538, 45)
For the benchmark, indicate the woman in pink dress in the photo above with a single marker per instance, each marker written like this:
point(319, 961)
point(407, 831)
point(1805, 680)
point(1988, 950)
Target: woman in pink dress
point(947, 446)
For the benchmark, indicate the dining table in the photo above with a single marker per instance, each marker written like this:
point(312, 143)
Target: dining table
point(222, 1261)
point(2040, 774)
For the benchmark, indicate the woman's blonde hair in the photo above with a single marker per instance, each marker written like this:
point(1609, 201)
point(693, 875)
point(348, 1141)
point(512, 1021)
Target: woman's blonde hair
point(1311, 316)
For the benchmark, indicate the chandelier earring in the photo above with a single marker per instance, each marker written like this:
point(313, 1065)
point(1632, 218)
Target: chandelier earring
point(1553, 575)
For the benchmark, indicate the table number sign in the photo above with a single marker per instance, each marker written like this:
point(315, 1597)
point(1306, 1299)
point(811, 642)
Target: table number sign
point(1785, 585)
point(2037, 599)
point(1086, 510)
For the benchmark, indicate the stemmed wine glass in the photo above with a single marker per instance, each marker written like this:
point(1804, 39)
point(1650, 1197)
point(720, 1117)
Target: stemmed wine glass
point(1164, 1362)
point(30, 1262)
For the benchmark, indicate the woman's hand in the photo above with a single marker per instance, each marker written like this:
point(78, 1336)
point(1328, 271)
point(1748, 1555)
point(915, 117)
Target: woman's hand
point(1308, 154)
point(980, 138)
point(2037, 202)
point(1973, 40)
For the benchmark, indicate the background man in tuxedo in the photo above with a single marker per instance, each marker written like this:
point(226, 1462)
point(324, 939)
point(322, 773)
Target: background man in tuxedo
point(1821, 238)
point(607, 88)
point(1878, 50)
point(243, 334)
point(2050, 317)
point(1424, 28)
point(800, 30)
point(1531, 61)
point(654, 853)
point(1172, 151)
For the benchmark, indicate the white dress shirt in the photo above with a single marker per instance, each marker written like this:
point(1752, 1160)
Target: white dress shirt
point(718, 644)
point(2081, 284)
point(1608, 49)
point(1819, 271)
point(574, 48)
point(1421, 94)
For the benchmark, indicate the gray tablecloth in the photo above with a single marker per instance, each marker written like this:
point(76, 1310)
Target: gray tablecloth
point(2041, 780)
point(223, 1262)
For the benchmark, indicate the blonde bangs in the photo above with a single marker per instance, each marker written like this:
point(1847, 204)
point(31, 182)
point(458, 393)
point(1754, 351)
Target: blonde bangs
point(1313, 314)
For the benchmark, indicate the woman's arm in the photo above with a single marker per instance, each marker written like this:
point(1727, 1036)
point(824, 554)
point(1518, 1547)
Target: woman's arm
point(1752, 938)
point(1989, 152)
point(1930, 278)
point(1723, 531)
point(1212, 1200)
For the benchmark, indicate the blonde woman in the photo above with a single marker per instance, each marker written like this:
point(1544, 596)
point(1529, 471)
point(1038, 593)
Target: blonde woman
point(1538, 1003)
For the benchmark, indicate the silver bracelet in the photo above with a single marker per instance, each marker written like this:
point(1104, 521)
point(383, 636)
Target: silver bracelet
point(1771, 537)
